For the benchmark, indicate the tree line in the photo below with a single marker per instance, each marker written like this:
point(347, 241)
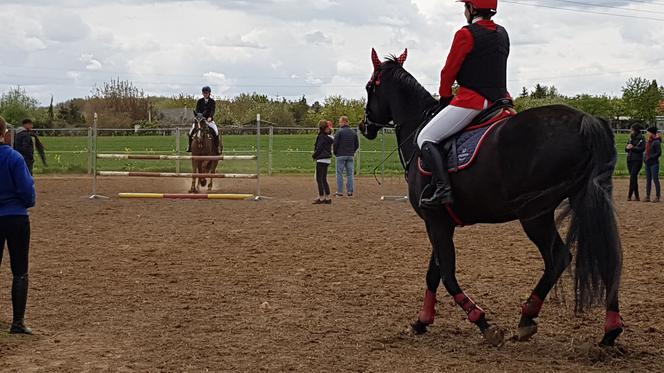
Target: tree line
point(120, 104)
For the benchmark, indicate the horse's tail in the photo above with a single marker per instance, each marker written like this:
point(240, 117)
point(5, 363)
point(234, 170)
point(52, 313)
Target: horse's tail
point(593, 228)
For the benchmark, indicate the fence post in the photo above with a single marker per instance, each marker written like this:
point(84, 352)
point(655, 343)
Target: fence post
point(90, 150)
point(269, 154)
point(382, 158)
point(258, 157)
point(95, 134)
point(177, 148)
point(359, 152)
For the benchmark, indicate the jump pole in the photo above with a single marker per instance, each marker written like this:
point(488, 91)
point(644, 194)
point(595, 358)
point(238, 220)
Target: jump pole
point(174, 174)
point(94, 194)
point(184, 196)
point(258, 158)
point(177, 157)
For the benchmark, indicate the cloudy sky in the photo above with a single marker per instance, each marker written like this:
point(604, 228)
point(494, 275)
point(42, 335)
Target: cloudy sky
point(288, 48)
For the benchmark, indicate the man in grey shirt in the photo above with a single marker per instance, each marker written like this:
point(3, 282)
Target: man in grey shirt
point(346, 144)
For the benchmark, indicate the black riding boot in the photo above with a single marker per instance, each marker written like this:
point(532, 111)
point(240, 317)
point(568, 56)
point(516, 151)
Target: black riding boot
point(189, 147)
point(19, 301)
point(441, 179)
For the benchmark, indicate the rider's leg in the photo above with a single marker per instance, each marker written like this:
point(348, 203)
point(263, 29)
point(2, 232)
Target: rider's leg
point(449, 121)
point(191, 132)
point(215, 130)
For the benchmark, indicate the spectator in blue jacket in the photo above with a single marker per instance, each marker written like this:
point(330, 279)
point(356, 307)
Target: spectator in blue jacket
point(17, 195)
point(346, 144)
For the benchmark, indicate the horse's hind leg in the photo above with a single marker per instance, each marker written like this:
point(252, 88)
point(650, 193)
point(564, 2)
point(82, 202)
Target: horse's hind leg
point(542, 231)
point(441, 233)
point(428, 312)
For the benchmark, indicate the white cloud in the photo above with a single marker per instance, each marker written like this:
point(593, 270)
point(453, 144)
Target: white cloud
point(312, 47)
point(91, 63)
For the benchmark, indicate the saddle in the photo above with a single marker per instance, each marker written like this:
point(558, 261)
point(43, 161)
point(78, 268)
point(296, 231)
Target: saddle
point(462, 148)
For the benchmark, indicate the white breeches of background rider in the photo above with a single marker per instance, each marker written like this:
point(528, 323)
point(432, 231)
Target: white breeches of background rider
point(212, 125)
point(449, 121)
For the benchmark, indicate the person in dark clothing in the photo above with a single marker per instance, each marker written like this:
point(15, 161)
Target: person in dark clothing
point(323, 156)
point(23, 143)
point(17, 195)
point(346, 144)
point(478, 62)
point(653, 152)
point(635, 148)
point(206, 106)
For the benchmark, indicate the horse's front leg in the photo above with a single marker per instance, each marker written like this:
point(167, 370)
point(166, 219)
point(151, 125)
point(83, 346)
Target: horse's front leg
point(212, 170)
point(428, 311)
point(194, 187)
point(441, 233)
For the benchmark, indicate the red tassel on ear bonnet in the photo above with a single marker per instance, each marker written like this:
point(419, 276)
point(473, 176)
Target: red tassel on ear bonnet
point(403, 57)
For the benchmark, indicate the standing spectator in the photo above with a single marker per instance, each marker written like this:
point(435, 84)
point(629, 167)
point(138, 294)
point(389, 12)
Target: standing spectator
point(345, 146)
point(24, 145)
point(635, 148)
point(653, 152)
point(17, 194)
point(323, 156)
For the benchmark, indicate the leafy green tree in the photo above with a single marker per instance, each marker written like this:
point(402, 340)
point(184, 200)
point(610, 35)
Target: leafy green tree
point(642, 98)
point(69, 113)
point(603, 106)
point(121, 104)
point(299, 109)
point(16, 105)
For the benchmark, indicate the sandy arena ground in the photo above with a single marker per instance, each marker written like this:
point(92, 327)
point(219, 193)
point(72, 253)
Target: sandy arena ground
point(282, 285)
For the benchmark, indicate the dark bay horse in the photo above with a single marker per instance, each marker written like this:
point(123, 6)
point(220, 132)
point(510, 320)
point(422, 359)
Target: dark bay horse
point(526, 168)
point(202, 144)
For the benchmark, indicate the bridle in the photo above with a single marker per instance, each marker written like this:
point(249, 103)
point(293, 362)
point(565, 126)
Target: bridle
point(374, 83)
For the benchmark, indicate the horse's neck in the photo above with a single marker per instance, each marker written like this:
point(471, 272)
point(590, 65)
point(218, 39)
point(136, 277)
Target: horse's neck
point(408, 113)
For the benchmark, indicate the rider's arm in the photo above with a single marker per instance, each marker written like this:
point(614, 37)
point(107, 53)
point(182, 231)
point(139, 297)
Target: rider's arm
point(461, 46)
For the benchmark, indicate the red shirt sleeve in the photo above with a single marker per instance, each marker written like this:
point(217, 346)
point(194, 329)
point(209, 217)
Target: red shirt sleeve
point(461, 46)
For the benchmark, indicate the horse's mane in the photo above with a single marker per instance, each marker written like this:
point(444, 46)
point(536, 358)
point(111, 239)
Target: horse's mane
point(392, 68)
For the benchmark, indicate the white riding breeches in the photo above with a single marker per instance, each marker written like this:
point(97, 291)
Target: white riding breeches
point(449, 121)
point(212, 125)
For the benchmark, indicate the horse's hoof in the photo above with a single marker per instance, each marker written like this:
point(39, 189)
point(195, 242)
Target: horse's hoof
point(527, 328)
point(494, 336)
point(609, 339)
point(524, 333)
point(418, 327)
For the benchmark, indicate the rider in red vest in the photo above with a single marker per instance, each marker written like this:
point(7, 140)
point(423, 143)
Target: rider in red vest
point(478, 62)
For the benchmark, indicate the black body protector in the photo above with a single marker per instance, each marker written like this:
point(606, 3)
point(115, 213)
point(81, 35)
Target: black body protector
point(485, 68)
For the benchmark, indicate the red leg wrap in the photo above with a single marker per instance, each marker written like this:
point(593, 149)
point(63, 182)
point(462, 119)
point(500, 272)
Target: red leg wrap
point(532, 306)
point(428, 312)
point(613, 321)
point(474, 312)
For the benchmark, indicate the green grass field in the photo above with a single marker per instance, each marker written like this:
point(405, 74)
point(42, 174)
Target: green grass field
point(291, 154)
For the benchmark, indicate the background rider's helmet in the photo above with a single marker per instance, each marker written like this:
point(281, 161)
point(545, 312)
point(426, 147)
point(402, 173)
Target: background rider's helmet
point(491, 5)
point(207, 89)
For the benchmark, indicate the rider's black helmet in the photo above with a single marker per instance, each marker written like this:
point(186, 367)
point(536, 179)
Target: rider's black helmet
point(207, 89)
